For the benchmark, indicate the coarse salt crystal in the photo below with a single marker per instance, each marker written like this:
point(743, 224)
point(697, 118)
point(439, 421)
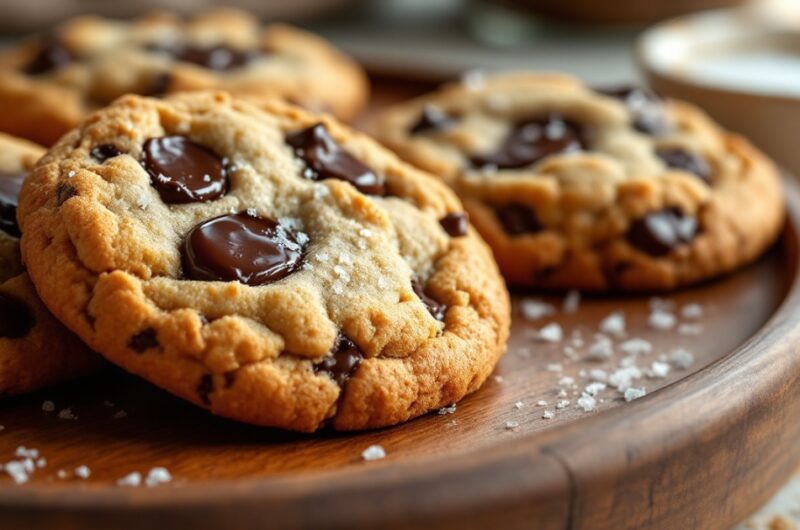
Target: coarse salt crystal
point(17, 470)
point(614, 324)
point(548, 415)
point(67, 414)
point(562, 404)
point(24, 452)
point(690, 329)
point(533, 309)
point(551, 333)
point(555, 367)
point(512, 425)
point(132, 479)
point(661, 320)
point(473, 79)
point(600, 349)
point(498, 379)
point(48, 406)
point(692, 311)
point(541, 403)
point(636, 347)
point(598, 375)
point(566, 381)
point(634, 393)
point(623, 377)
point(373, 452)
point(586, 402)
point(518, 405)
point(83, 472)
point(156, 476)
point(592, 389)
point(449, 409)
point(572, 301)
point(659, 369)
point(119, 414)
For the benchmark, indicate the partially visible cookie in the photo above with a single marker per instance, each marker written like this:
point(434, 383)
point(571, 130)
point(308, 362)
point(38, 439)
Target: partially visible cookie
point(268, 264)
point(49, 83)
point(35, 349)
point(592, 189)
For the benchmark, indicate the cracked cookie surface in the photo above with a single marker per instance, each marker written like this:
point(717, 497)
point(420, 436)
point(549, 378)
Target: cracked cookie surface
point(595, 189)
point(306, 277)
point(35, 349)
point(51, 82)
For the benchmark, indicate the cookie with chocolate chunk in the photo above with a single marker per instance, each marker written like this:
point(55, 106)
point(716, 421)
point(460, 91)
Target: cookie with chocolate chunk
point(35, 349)
point(49, 83)
point(263, 262)
point(595, 189)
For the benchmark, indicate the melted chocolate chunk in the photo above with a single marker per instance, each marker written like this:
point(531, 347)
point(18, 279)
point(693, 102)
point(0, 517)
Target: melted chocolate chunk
point(658, 233)
point(533, 140)
point(678, 158)
point(218, 57)
point(432, 119)
point(51, 56)
point(16, 320)
point(10, 184)
point(64, 192)
point(147, 339)
point(204, 388)
point(518, 219)
point(436, 309)
point(645, 105)
point(341, 362)
point(183, 171)
point(325, 159)
point(455, 224)
point(103, 152)
point(241, 247)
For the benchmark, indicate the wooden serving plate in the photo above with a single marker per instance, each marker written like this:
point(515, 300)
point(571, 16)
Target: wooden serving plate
point(704, 448)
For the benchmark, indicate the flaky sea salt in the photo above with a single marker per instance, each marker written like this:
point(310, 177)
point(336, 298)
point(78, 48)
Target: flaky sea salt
point(551, 333)
point(634, 393)
point(636, 347)
point(373, 452)
point(682, 358)
point(132, 479)
point(661, 320)
point(156, 476)
point(533, 309)
point(613, 324)
point(571, 302)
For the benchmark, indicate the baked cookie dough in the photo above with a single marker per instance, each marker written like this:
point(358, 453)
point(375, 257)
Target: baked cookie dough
point(574, 187)
point(49, 83)
point(263, 262)
point(35, 349)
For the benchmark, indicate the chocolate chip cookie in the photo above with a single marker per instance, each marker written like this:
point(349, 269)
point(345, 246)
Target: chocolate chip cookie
point(263, 262)
point(595, 189)
point(35, 349)
point(51, 82)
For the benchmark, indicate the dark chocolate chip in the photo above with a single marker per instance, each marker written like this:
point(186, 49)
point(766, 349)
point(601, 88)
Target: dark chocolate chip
point(16, 320)
point(432, 119)
point(455, 224)
point(518, 219)
point(241, 247)
point(341, 362)
point(325, 159)
point(533, 140)
point(103, 152)
point(10, 184)
point(50, 56)
point(436, 309)
point(678, 158)
point(660, 232)
point(158, 85)
point(64, 192)
point(183, 171)
point(645, 106)
point(144, 340)
point(205, 387)
point(218, 57)
point(230, 378)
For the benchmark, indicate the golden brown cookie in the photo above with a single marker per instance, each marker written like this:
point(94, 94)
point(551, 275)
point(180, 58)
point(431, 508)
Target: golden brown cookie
point(49, 83)
point(35, 349)
point(268, 264)
point(592, 189)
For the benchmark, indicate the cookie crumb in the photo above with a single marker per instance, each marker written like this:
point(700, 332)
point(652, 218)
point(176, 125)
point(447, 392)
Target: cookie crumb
point(373, 452)
point(132, 479)
point(83, 472)
point(634, 393)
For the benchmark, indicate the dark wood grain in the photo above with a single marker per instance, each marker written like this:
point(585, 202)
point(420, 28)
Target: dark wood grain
point(701, 450)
